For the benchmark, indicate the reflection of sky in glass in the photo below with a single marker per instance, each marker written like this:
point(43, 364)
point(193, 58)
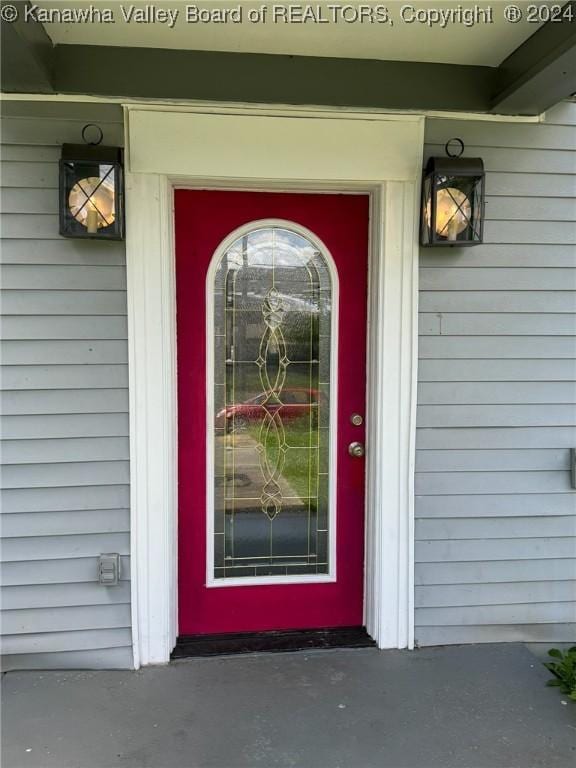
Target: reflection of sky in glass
point(268, 251)
point(260, 251)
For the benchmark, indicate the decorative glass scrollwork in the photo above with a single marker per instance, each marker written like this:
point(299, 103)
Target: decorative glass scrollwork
point(272, 297)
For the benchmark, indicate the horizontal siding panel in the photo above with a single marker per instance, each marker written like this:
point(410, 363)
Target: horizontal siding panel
point(560, 232)
point(49, 302)
point(496, 505)
point(66, 352)
point(523, 371)
point(531, 209)
point(62, 425)
point(524, 613)
point(520, 633)
point(68, 277)
point(104, 658)
point(69, 523)
point(67, 641)
point(49, 327)
point(33, 130)
point(79, 253)
point(63, 547)
point(36, 620)
point(30, 153)
point(498, 255)
point(29, 377)
point(493, 393)
point(78, 111)
point(60, 571)
point(495, 437)
point(63, 595)
point(486, 347)
point(494, 279)
point(26, 201)
point(429, 324)
point(453, 595)
point(65, 499)
point(530, 184)
point(525, 160)
point(511, 324)
point(447, 483)
point(29, 226)
point(72, 450)
point(496, 415)
point(46, 401)
point(443, 300)
point(35, 175)
point(497, 460)
point(59, 475)
point(494, 572)
point(494, 549)
point(496, 528)
point(513, 135)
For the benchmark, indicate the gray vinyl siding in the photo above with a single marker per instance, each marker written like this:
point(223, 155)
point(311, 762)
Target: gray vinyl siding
point(65, 478)
point(495, 513)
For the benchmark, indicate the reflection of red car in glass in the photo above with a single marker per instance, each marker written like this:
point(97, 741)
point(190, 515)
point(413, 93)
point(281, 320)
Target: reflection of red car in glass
point(296, 402)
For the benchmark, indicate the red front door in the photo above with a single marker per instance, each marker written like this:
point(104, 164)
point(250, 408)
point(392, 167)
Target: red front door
point(271, 322)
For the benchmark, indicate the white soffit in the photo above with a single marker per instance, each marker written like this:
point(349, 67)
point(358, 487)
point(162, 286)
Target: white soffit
point(484, 43)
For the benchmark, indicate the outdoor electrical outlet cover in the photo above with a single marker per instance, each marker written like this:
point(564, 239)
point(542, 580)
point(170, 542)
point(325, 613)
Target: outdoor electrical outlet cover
point(109, 569)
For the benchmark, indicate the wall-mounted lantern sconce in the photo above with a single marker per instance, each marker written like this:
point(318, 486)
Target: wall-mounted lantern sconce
point(452, 199)
point(92, 189)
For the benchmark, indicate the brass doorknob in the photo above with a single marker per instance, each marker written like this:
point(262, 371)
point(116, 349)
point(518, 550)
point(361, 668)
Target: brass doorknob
point(356, 450)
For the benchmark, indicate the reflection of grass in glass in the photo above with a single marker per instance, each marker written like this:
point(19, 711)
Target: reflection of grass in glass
point(300, 462)
point(247, 384)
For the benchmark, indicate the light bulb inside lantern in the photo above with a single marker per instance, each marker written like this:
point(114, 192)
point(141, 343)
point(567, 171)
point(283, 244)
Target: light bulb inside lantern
point(92, 203)
point(453, 212)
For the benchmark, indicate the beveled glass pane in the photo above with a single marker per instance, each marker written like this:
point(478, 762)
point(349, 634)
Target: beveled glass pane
point(272, 298)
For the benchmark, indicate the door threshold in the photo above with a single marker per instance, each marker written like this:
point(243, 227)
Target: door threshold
point(277, 641)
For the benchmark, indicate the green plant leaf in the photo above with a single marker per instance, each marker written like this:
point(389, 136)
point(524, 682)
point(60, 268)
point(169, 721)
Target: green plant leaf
point(564, 671)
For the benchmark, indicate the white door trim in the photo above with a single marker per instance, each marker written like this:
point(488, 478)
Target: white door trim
point(392, 354)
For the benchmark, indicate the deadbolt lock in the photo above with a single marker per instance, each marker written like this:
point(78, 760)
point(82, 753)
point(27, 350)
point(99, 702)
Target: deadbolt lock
point(356, 419)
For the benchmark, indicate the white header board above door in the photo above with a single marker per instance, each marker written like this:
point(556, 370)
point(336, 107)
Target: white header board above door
point(293, 148)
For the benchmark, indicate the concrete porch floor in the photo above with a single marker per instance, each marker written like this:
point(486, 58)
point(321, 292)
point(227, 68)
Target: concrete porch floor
point(460, 707)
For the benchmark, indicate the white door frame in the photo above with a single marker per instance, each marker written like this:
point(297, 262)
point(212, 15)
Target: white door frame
point(323, 151)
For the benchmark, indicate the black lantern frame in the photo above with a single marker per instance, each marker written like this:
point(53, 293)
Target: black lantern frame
point(452, 211)
point(92, 192)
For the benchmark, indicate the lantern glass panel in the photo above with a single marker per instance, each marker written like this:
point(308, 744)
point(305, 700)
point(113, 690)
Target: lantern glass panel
point(458, 209)
point(91, 198)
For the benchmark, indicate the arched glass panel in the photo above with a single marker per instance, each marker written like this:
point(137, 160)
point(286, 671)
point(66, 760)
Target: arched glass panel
point(272, 297)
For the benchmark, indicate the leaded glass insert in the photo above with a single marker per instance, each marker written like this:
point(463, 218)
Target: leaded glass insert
point(272, 298)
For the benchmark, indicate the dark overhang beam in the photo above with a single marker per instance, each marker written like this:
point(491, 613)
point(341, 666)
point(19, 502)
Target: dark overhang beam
point(158, 73)
point(27, 54)
point(542, 71)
